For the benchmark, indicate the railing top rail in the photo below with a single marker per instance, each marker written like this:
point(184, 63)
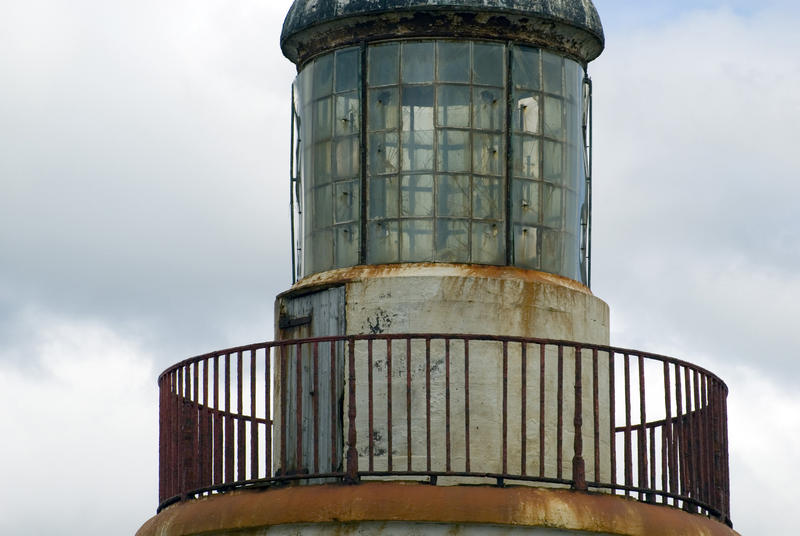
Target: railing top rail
point(449, 336)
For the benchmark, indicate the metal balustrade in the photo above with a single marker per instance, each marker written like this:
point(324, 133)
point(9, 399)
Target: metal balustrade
point(422, 407)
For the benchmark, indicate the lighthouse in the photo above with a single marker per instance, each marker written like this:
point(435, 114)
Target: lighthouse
point(439, 363)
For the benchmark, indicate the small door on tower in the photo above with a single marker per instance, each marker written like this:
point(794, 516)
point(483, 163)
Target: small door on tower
point(310, 383)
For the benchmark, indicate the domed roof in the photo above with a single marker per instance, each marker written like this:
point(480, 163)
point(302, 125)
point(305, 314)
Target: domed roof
point(305, 15)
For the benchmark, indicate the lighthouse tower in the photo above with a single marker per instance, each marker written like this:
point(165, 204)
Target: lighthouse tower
point(440, 364)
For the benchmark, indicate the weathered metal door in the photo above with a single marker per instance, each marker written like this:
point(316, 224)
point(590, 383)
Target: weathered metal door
point(311, 427)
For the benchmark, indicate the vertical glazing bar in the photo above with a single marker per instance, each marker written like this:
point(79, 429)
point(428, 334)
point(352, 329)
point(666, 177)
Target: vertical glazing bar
point(541, 408)
point(642, 446)
point(466, 406)
point(229, 439)
point(505, 407)
point(352, 453)
point(268, 411)
point(253, 422)
point(299, 462)
point(427, 400)
point(241, 444)
point(389, 451)
point(370, 409)
point(284, 440)
point(560, 424)
point(315, 399)
point(524, 408)
point(408, 404)
point(447, 403)
point(578, 463)
point(628, 447)
point(612, 414)
point(596, 413)
point(218, 434)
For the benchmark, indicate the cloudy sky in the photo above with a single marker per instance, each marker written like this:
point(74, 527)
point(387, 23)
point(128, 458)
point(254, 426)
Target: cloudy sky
point(144, 219)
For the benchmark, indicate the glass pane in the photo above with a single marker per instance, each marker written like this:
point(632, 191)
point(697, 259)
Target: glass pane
point(572, 212)
point(487, 198)
point(526, 112)
point(348, 157)
point(551, 251)
point(321, 171)
point(322, 213)
point(322, 245)
point(488, 243)
point(571, 263)
point(526, 157)
point(551, 71)
point(417, 151)
point(383, 64)
point(346, 201)
point(525, 202)
point(551, 205)
point(417, 62)
point(321, 128)
point(552, 165)
point(553, 117)
point(384, 109)
point(346, 240)
point(525, 241)
point(383, 242)
point(452, 196)
point(574, 78)
point(347, 69)
point(453, 65)
point(452, 107)
point(452, 241)
point(347, 114)
point(323, 76)
point(417, 240)
point(453, 153)
point(305, 83)
point(384, 198)
point(383, 153)
point(416, 193)
point(488, 108)
point(417, 108)
point(487, 154)
point(488, 64)
point(526, 67)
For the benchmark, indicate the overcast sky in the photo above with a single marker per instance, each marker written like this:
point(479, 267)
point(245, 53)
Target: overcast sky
point(144, 219)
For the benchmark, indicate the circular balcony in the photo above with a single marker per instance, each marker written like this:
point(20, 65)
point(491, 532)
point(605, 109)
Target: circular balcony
point(353, 409)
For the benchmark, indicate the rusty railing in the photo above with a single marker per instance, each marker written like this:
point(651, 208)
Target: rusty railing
point(446, 409)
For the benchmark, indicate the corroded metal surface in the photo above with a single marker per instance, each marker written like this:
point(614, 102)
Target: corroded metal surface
point(673, 441)
point(572, 26)
point(347, 506)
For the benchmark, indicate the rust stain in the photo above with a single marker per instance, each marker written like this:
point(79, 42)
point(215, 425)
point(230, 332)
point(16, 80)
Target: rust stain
point(413, 502)
point(358, 273)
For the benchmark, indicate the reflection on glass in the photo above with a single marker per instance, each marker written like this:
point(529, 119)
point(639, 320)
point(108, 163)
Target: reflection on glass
point(384, 61)
point(417, 240)
point(347, 119)
point(551, 71)
point(322, 247)
point(488, 243)
point(322, 209)
point(452, 196)
point(453, 64)
point(417, 63)
point(417, 151)
point(453, 151)
point(383, 242)
point(346, 203)
point(416, 195)
point(551, 205)
point(553, 119)
point(323, 76)
point(452, 240)
point(383, 153)
point(321, 128)
point(551, 251)
point(525, 247)
point(526, 157)
point(487, 198)
point(525, 202)
point(526, 112)
point(487, 155)
point(347, 159)
point(384, 108)
point(552, 160)
point(347, 69)
point(526, 67)
point(488, 64)
point(488, 108)
point(346, 239)
point(322, 162)
point(384, 197)
point(417, 111)
point(453, 106)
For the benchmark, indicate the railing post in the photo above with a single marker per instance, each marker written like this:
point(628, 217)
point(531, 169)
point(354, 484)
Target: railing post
point(352, 453)
point(578, 463)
